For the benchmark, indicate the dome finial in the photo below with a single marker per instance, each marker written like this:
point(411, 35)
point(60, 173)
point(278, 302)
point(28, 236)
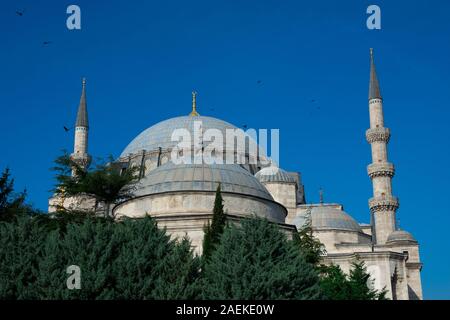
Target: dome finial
point(321, 195)
point(194, 112)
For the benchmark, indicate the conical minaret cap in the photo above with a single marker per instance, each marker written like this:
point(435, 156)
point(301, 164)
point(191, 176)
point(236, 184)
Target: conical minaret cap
point(82, 116)
point(374, 86)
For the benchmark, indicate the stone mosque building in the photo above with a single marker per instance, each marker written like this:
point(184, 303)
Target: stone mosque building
point(181, 196)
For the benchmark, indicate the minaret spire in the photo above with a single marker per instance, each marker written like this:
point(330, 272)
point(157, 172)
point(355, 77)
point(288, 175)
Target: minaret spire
point(374, 86)
point(194, 112)
point(383, 205)
point(82, 116)
point(80, 149)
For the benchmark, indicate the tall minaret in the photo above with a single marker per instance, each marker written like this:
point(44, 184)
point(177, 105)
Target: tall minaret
point(383, 205)
point(80, 150)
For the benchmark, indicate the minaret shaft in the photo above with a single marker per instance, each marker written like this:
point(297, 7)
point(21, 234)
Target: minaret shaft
point(383, 205)
point(80, 149)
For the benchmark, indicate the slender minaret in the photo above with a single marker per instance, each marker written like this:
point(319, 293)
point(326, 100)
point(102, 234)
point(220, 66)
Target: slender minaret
point(80, 150)
point(383, 205)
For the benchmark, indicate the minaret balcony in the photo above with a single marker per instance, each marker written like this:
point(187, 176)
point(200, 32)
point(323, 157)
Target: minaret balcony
point(387, 203)
point(385, 169)
point(378, 134)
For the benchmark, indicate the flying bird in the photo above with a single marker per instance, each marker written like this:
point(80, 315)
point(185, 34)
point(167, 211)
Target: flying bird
point(66, 129)
point(46, 43)
point(314, 101)
point(259, 82)
point(20, 13)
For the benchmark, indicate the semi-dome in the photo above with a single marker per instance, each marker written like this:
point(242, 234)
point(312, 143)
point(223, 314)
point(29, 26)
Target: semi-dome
point(274, 174)
point(327, 217)
point(172, 177)
point(400, 236)
point(160, 134)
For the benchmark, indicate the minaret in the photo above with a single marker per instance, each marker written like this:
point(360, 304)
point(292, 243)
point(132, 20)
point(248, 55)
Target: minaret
point(80, 150)
point(383, 205)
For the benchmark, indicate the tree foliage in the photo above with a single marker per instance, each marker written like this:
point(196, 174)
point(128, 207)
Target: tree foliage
point(131, 259)
point(104, 182)
point(336, 285)
point(11, 203)
point(256, 261)
point(309, 245)
point(213, 231)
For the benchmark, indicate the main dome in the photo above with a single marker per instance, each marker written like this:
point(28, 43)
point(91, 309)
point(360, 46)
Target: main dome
point(160, 134)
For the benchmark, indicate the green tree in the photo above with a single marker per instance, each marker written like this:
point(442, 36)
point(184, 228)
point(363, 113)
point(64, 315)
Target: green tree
point(213, 231)
point(131, 259)
point(105, 183)
point(151, 266)
point(21, 244)
point(256, 261)
point(11, 203)
point(336, 285)
point(309, 245)
point(361, 284)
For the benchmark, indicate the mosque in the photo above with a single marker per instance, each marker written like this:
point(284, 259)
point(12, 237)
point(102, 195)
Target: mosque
point(181, 196)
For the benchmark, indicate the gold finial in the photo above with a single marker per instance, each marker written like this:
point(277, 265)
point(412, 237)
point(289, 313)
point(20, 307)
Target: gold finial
point(194, 112)
point(83, 82)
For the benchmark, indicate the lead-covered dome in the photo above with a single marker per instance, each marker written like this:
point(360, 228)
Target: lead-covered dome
point(400, 236)
point(160, 134)
point(172, 177)
point(328, 217)
point(274, 174)
point(324, 217)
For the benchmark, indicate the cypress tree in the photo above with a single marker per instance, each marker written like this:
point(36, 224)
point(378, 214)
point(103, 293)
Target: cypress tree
point(11, 204)
point(309, 245)
point(361, 284)
point(132, 259)
point(152, 266)
point(21, 245)
point(213, 231)
point(334, 283)
point(256, 261)
point(356, 286)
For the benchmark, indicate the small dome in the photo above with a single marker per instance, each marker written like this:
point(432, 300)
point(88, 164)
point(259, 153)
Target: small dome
point(201, 177)
point(400, 236)
point(326, 217)
point(274, 174)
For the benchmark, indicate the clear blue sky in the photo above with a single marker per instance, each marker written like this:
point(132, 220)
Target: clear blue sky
point(143, 58)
